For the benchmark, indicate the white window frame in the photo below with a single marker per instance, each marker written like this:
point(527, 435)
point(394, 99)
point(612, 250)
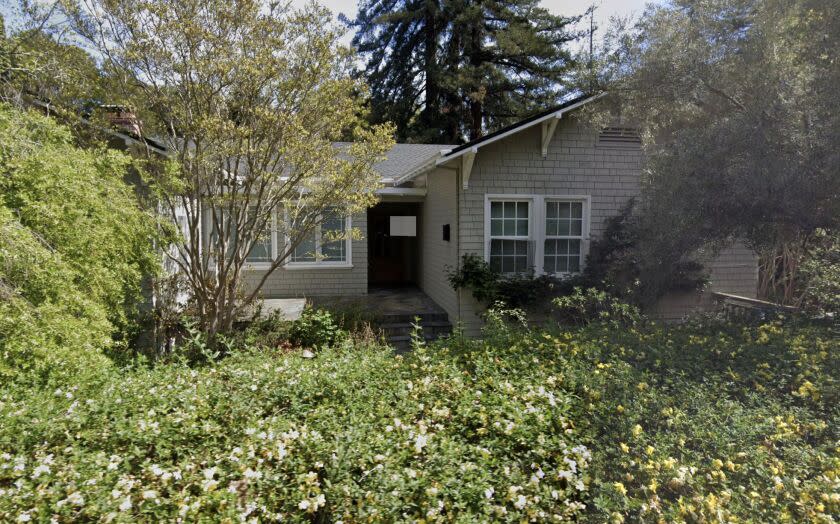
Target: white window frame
point(487, 221)
point(583, 237)
point(325, 264)
point(536, 224)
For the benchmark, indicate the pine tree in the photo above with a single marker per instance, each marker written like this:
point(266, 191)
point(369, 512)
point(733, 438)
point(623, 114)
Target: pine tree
point(446, 70)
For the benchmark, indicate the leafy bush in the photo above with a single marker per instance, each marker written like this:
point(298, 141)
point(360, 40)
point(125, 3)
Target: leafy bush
point(353, 434)
point(820, 276)
point(698, 423)
point(584, 306)
point(516, 291)
point(639, 260)
point(315, 328)
point(74, 249)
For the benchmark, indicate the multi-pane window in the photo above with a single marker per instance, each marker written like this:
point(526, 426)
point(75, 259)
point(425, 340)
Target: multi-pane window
point(510, 236)
point(334, 238)
point(327, 242)
point(261, 251)
point(563, 236)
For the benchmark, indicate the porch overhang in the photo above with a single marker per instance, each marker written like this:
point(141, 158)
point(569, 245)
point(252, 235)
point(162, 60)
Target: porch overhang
point(402, 191)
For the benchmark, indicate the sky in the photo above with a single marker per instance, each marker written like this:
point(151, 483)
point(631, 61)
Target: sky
point(606, 8)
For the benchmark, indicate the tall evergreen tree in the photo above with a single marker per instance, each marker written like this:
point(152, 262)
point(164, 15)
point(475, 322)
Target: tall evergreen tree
point(449, 70)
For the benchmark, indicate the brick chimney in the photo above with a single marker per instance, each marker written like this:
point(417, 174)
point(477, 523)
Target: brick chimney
point(123, 118)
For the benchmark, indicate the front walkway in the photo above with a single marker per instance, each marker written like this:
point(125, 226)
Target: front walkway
point(385, 302)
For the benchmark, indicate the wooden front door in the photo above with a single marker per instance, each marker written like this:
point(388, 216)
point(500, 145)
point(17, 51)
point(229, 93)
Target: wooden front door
point(392, 260)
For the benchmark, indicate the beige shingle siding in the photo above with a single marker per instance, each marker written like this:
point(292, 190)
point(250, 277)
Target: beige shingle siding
point(438, 255)
point(735, 271)
point(574, 165)
point(577, 165)
point(285, 283)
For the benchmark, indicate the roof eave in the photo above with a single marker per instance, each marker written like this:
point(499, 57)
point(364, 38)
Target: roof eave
point(446, 158)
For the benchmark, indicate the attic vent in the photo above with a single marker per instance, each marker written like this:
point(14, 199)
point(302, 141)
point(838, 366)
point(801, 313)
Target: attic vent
point(619, 137)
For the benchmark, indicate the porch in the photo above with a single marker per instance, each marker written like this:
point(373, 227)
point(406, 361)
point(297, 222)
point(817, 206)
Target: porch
point(392, 310)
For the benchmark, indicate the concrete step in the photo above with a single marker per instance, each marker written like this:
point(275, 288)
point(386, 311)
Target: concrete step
point(404, 328)
point(398, 334)
point(397, 318)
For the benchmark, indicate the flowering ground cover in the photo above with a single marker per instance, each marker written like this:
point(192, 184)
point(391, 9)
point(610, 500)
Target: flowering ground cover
point(699, 423)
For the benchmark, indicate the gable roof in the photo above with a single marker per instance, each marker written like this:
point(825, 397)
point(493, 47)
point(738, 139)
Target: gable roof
point(449, 153)
point(404, 158)
point(554, 112)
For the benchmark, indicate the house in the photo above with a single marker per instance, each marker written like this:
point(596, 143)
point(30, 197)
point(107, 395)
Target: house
point(533, 194)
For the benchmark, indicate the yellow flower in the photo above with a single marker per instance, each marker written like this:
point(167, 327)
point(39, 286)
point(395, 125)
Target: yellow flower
point(717, 464)
point(620, 488)
point(637, 430)
point(624, 447)
point(649, 450)
point(711, 502)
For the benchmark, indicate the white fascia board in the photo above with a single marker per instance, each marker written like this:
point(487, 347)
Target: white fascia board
point(402, 191)
point(419, 170)
point(555, 115)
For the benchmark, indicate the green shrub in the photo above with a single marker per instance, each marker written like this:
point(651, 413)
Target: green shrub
point(74, 249)
point(820, 276)
point(584, 306)
point(315, 328)
point(516, 290)
point(351, 434)
point(708, 422)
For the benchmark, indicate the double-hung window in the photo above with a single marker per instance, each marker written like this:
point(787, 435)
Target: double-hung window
point(328, 243)
point(563, 247)
point(510, 236)
point(262, 252)
point(544, 234)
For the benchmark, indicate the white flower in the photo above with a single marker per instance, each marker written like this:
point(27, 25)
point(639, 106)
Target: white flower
point(40, 470)
point(209, 485)
point(24, 517)
point(150, 494)
point(251, 474)
point(209, 473)
point(76, 499)
point(253, 387)
point(565, 475)
point(580, 486)
point(156, 470)
point(321, 500)
point(250, 431)
point(126, 504)
point(521, 501)
point(420, 442)
point(304, 504)
point(489, 492)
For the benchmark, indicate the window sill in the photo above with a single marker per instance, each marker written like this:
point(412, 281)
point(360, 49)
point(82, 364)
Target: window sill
point(256, 266)
point(297, 266)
